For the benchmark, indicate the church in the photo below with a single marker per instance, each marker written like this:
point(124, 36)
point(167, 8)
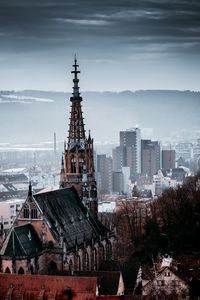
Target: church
point(59, 230)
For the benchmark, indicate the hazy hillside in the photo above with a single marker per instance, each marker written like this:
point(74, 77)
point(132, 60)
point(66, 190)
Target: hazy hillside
point(32, 116)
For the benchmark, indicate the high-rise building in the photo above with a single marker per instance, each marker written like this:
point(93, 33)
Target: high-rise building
point(131, 141)
point(78, 161)
point(168, 159)
point(117, 182)
point(118, 156)
point(150, 157)
point(104, 172)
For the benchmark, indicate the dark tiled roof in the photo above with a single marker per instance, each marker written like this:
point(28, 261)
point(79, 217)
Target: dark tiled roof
point(22, 241)
point(65, 213)
point(107, 281)
point(110, 265)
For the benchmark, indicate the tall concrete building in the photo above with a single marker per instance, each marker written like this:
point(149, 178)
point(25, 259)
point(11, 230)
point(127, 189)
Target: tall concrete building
point(130, 140)
point(118, 156)
point(117, 182)
point(104, 174)
point(168, 159)
point(150, 157)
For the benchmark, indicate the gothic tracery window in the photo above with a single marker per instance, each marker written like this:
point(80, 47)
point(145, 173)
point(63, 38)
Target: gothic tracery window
point(81, 161)
point(26, 213)
point(34, 213)
point(73, 165)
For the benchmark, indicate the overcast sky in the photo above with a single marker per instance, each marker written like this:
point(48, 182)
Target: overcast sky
point(120, 44)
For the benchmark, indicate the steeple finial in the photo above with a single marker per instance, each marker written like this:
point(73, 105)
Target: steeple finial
point(76, 94)
point(30, 189)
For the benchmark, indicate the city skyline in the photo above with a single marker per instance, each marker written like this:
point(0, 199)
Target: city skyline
point(120, 45)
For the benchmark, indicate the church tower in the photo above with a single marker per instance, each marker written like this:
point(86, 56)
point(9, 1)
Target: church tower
point(77, 168)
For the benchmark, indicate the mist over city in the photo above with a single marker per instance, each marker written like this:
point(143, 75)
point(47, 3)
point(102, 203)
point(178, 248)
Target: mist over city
point(99, 149)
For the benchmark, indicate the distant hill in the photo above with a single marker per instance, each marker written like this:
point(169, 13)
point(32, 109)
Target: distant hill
point(33, 116)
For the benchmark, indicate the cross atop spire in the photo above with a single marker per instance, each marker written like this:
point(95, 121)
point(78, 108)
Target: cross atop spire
point(76, 94)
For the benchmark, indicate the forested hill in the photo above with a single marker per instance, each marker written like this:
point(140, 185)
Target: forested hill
point(32, 116)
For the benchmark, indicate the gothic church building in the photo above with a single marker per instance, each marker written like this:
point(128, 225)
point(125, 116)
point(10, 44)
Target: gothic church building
point(59, 230)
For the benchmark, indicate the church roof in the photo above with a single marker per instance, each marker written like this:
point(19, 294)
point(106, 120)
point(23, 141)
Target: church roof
point(22, 241)
point(66, 214)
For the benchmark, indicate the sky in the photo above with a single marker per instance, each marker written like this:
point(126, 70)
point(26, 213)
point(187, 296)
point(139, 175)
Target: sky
point(120, 44)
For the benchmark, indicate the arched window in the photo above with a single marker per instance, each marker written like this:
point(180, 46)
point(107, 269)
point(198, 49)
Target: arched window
point(95, 259)
point(87, 263)
point(71, 268)
point(101, 252)
point(7, 270)
point(80, 164)
point(73, 164)
point(52, 267)
point(21, 270)
point(108, 250)
point(78, 263)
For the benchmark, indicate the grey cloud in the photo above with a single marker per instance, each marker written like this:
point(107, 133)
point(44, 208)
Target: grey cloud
point(84, 22)
point(101, 31)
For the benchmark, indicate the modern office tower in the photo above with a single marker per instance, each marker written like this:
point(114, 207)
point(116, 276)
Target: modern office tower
point(104, 174)
point(118, 156)
point(150, 157)
point(131, 141)
point(168, 159)
point(117, 182)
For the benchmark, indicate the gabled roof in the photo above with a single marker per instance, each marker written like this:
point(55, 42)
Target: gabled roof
point(22, 241)
point(152, 277)
point(65, 213)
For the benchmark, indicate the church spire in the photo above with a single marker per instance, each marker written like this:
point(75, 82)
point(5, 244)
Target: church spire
point(77, 169)
point(76, 137)
point(76, 93)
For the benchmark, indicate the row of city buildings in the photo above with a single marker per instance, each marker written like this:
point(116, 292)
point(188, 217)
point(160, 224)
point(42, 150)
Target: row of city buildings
point(144, 162)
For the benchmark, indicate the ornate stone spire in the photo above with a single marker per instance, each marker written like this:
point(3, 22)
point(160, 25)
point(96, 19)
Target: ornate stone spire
point(76, 136)
point(78, 166)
